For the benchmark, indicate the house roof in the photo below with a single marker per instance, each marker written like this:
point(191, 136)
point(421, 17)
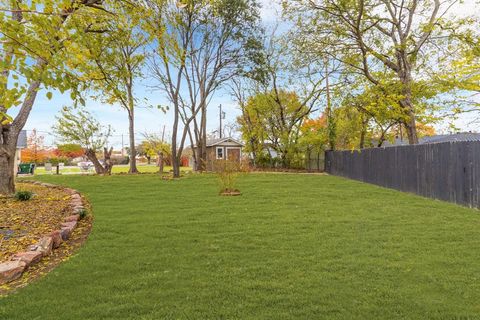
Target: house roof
point(22, 140)
point(215, 142)
point(462, 136)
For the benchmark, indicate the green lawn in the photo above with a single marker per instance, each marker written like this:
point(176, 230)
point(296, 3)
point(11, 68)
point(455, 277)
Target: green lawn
point(292, 247)
point(143, 168)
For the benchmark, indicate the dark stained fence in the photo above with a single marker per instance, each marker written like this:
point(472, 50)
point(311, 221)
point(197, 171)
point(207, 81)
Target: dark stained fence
point(447, 171)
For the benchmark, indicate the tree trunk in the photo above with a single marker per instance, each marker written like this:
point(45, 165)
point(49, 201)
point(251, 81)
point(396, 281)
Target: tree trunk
point(362, 137)
point(175, 162)
point(7, 175)
point(195, 160)
point(9, 136)
point(411, 128)
point(133, 151)
point(202, 156)
point(363, 133)
point(161, 163)
point(406, 103)
point(107, 155)
point(194, 153)
point(92, 156)
point(176, 167)
point(381, 140)
point(99, 169)
point(202, 143)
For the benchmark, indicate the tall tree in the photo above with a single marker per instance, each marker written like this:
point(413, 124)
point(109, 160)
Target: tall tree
point(273, 121)
point(374, 36)
point(33, 36)
point(201, 45)
point(113, 59)
point(283, 92)
point(380, 109)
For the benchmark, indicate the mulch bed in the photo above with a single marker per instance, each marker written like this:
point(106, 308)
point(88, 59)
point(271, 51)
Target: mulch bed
point(23, 223)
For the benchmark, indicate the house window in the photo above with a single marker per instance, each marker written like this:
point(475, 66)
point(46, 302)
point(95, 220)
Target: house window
point(219, 152)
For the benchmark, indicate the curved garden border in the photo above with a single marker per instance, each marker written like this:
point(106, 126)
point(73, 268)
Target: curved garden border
point(21, 261)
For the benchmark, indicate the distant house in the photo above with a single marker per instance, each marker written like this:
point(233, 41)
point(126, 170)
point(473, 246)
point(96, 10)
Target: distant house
point(221, 149)
point(21, 144)
point(462, 136)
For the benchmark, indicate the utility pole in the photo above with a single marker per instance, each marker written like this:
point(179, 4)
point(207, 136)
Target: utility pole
point(163, 134)
point(327, 80)
point(330, 125)
point(222, 117)
point(123, 154)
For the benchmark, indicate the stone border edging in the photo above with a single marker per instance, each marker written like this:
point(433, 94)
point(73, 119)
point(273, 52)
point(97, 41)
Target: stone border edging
point(13, 269)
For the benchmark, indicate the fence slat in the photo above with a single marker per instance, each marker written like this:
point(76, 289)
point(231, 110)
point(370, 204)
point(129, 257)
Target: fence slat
point(447, 171)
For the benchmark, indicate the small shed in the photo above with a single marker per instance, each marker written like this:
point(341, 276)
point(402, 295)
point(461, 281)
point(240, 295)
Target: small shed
point(222, 149)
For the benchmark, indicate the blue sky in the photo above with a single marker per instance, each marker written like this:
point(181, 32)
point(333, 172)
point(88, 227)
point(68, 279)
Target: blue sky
point(153, 120)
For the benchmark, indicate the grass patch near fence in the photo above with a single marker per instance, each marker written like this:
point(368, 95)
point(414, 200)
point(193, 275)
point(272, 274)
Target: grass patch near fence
point(142, 168)
point(291, 247)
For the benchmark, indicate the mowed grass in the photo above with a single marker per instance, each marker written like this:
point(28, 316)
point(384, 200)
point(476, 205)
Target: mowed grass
point(142, 168)
point(291, 247)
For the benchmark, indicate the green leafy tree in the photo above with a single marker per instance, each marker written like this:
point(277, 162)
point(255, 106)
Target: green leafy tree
point(314, 138)
point(370, 115)
point(272, 121)
point(69, 150)
point(112, 59)
point(35, 37)
point(156, 145)
point(278, 93)
point(144, 151)
point(407, 42)
point(462, 76)
point(78, 126)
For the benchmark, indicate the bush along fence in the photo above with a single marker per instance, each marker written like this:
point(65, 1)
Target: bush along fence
point(447, 171)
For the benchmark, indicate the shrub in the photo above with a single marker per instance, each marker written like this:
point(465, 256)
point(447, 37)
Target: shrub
point(120, 160)
point(264, 160)
point(83, 214)
point(56, 160)
point(69, 150)
point(228, 172)
point(23, 195)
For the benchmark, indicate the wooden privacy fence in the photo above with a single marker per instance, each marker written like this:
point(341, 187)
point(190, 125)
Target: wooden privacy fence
point(447, 171)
